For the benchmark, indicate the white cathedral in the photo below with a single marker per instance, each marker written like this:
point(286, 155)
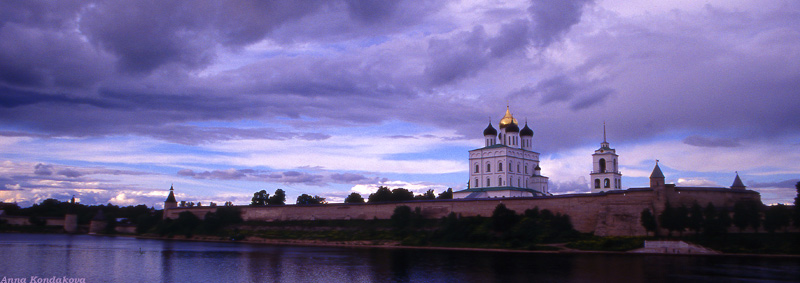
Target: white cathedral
point(507, 166)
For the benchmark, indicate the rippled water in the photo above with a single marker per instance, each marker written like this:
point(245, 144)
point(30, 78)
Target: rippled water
point(121, 259)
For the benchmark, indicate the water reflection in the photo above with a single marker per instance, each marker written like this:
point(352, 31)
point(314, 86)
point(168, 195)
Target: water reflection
point(117, 259)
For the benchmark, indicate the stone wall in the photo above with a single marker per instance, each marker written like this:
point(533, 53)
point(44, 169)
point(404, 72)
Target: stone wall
point(613, 213)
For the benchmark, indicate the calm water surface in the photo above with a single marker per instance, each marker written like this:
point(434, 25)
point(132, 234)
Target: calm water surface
point(119, 259)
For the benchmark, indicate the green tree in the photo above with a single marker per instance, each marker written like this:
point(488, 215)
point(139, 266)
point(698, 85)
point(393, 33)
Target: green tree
point(754, 214)
point(427, 195)
point(279, 198)
point(648, 221)
point(448, 194)
point(259, 198)
point(724, 219)
point(776, 217)
point(307, 199)
point(145, 222)
point(354, 198)
point(747, 214)
point(401, 218)
point(186, 223)
point(503, 218)
point(668, 219)
point(797, 206)
point(381, 195)
point(401, 194)
point(681, 219)
point(740, 216)
point(696, 218)
point(712, 225)
point(229, 215)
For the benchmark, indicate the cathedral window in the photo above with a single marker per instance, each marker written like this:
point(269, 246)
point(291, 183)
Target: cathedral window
point(477, 168)
point(606, 183)
point(596, 183)
point(517, 167)
point(499, 181)
point(488, 182)
point(476, 183)
point(500, 167)
point(526, 169)
point(488, 167)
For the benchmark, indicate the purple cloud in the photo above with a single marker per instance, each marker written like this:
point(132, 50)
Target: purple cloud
point(710, 142)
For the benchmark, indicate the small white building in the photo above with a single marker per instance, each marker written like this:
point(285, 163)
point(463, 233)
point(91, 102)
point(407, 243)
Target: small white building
point(506, 166)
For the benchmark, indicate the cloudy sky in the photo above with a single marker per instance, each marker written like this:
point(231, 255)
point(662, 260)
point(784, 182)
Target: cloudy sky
point(114, 101)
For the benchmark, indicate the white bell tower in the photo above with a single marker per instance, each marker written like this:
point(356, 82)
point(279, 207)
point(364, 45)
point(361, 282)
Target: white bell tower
point(605, 174)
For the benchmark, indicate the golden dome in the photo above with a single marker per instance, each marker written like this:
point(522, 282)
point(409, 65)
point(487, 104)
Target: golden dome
point(507, 119)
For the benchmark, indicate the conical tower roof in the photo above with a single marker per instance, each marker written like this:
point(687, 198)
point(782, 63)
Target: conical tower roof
point(737, 183)
point(657, 172)
point(171, 196)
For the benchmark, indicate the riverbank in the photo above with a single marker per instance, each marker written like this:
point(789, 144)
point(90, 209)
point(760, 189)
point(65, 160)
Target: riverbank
point(560, 248)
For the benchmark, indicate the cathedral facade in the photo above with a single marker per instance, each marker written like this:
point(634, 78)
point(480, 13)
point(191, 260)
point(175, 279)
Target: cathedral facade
point(506, 166)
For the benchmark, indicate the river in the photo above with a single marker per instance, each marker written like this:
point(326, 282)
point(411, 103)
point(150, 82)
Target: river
point(124, 259)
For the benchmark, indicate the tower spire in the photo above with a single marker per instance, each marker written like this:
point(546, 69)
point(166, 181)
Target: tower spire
point(604, 145)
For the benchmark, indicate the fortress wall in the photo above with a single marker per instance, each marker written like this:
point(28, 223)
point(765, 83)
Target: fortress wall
point(16, 220)
point(199, 211)
point(608, 214)
point(586, 211)
point(720, 198)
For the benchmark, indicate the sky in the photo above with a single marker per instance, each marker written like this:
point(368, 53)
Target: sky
point(116, 101)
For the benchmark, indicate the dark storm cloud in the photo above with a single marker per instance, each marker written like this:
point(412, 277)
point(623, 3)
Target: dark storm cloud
point(32, 57)
point(371, 11)
point(69, 173)
point(145, 37)
point(14, 98)
point(453, 58)
point(216, 174)
point(199, 135)
point(512, 37)
point(286, 177)
point(466, 53)
point(351, 178)
point(680, 72)
point(148, 34)
point(43, 169)
point(788, 184)
point(710, 142)
point(559, 88)
point(590, 99)
point(553, 18)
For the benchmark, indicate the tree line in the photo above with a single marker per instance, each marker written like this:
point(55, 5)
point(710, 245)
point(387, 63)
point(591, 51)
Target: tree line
point(504, 228)
point(383, 194)
point(711, 221)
